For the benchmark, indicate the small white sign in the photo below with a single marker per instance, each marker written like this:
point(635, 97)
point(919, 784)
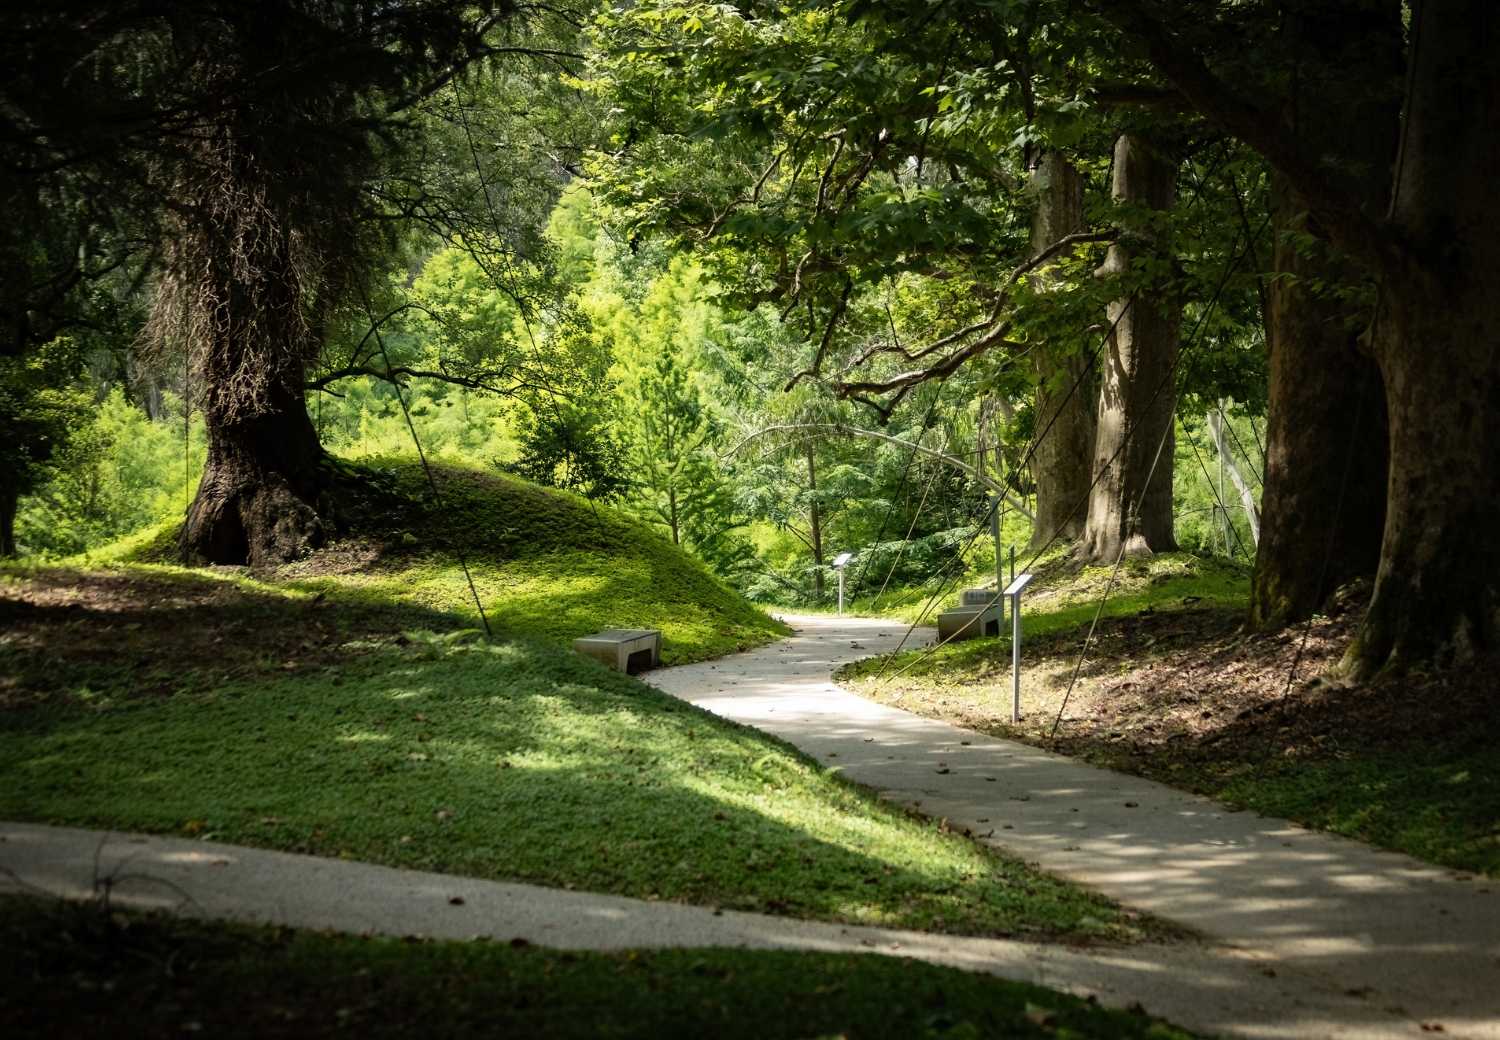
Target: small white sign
point(843, 558)
point(1015, 587)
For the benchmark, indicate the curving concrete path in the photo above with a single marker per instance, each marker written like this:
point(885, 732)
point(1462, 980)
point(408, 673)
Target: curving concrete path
point(1307, 935)
point(212, 880)
point(1417, 944)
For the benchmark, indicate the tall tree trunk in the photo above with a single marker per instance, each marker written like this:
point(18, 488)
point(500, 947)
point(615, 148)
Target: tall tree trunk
point(672, 514)
point(1436, 598)
point(262, 246)
point(1131, 503)
point(1216, 421)
point(815, 524)
point(10, 501)
point(260, 498)
point(1064, 455)
point(1437, 591)
point(1323, 500)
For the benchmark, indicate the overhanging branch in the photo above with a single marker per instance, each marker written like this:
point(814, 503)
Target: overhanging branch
point(1336, 209)
point(843, 429)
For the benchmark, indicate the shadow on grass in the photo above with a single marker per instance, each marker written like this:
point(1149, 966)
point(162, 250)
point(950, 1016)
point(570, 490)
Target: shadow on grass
point(437, 751)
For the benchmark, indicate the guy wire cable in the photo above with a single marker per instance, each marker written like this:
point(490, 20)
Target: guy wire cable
point(422, 456)
point(1193, 341)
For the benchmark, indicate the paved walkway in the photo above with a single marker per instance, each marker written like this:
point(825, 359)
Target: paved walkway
point(1308, 936)
point(1419, 944)
point(207, 879)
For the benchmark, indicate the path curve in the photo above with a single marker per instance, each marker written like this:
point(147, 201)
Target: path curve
point(1418, 943)
point(229, 882)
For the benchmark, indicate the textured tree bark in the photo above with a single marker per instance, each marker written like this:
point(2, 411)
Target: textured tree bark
point(262, 500)
point(1064, 455)
point(1436, 600)
point(240, 290)
point(1323, 501)
point(1130, 507)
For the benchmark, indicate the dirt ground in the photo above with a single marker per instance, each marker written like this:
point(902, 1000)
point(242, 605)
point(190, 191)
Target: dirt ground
point(100, 637)
point(1162, 691)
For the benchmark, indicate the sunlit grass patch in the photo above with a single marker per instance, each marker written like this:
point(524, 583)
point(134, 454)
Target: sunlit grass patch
point(515, 761)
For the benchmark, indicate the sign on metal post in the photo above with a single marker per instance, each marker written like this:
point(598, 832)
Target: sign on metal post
point(839, 563)
point(1013, 592)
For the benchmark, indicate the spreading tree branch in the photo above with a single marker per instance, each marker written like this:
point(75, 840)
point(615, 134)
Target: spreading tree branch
point(994, 331)
point(1336, 209)
point(844, 429)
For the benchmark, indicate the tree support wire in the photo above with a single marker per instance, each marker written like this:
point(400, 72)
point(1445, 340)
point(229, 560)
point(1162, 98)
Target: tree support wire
point(1193, 341)
point(1108, 588)
point(1212, 490)
point(911, 458)
point(1010, 486)
point(1114, 573)
point(437, 495)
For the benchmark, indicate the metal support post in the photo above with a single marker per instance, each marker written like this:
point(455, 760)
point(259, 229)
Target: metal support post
point(1015, 658)
point(839, 563)
point(1013, 593)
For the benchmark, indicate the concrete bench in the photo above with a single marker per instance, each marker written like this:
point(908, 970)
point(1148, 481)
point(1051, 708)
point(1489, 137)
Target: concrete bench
point(969, 598)
point(623, 649)
point(969, 622)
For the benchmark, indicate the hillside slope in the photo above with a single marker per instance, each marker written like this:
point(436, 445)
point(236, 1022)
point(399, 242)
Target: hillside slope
point(546, 564)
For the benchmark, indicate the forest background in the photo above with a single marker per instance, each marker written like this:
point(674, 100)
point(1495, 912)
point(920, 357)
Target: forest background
point(596, 309)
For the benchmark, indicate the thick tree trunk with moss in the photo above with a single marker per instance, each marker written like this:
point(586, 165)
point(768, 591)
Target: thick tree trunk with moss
point(262, 500)
point(1437, 591)
point(263, 244)
point(1130, 506)
point(1323, 504)
point(1064, 388)
point(238, 285)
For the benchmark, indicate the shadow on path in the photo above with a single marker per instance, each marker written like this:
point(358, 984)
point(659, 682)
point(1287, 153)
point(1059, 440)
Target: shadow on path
point(1417, 943)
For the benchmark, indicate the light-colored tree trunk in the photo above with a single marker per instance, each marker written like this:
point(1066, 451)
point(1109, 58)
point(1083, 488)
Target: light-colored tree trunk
point(1130, 507)
point(1064, 454)
point(815, 523)
point(1227, 460)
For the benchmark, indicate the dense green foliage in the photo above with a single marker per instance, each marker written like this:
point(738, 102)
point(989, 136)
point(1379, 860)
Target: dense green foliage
point(79, 971)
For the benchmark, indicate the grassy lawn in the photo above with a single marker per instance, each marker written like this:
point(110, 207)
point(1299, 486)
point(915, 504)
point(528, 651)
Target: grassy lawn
point(548, 565)
point(180, 703)
point(77, 972)
point(1175, 689)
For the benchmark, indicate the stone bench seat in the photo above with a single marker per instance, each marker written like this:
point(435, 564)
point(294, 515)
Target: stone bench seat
point(969, 622)
point(629, 650)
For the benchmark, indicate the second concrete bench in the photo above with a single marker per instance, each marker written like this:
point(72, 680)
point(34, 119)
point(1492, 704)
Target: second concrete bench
point(623, 649)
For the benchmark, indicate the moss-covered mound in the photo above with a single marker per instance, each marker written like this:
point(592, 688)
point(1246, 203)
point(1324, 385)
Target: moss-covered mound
point(546, 564)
